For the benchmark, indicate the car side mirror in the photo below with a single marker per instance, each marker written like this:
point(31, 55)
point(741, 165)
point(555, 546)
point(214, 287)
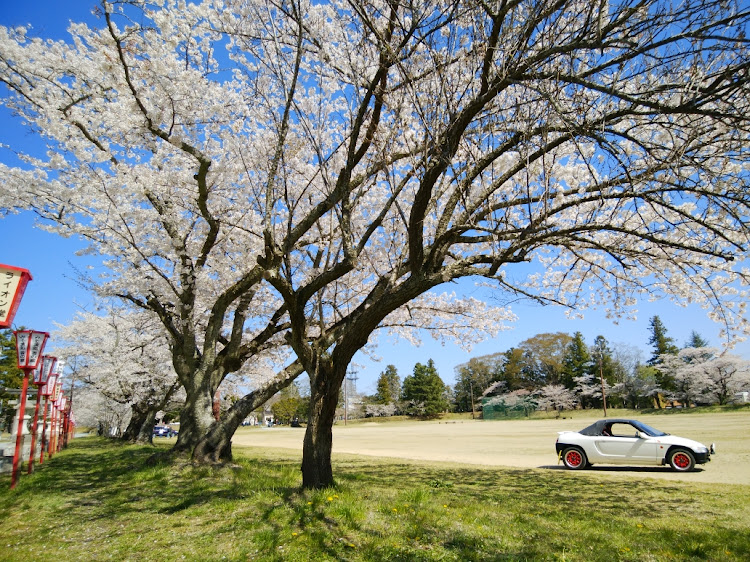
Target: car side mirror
point(639, 435)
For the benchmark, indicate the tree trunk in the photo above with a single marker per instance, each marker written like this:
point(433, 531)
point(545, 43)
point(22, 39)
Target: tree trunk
point(196, 419)
point(141, 426)
point(137, 420)
point(216, 445)
point(146, 433)
point(317, 471)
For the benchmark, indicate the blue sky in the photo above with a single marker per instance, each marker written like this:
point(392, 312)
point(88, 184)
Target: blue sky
point(54, 296)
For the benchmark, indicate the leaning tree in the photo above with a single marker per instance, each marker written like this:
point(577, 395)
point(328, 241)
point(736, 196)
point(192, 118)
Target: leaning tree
point(149, 159)
point(196, 148)
point(568, 152)
point(290, 173)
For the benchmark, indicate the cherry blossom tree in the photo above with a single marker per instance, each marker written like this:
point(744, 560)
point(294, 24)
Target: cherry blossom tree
point(285, 173)
point(92, 409)
point(582, 138)
point(124, 357)
point(706, 374)
point(728, 374)
point(557, 397)
point(134, 116)
point(688, 382)
point(588, 389)
point(196, 147)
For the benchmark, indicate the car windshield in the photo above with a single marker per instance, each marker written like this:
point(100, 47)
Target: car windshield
point(648, 429)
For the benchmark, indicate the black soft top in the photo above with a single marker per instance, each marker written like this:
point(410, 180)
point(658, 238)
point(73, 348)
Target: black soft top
point(597, 428)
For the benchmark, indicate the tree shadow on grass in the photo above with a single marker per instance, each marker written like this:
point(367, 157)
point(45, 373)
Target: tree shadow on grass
point(257, 501)
point(176, 485)
point(112, 479)
point(102, 460)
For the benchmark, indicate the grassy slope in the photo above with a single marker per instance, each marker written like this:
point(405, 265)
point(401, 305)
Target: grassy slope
point(99, 500)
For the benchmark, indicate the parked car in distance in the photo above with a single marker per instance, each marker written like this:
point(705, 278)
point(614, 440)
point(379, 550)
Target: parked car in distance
point(164, 431)
point(625, 441)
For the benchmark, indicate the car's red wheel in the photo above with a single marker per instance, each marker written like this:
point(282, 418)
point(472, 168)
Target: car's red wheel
point(574, 458)
point(681, 460)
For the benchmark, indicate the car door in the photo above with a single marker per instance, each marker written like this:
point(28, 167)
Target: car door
point(625, 446)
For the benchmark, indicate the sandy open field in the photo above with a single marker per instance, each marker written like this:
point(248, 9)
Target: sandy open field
point(523, 443)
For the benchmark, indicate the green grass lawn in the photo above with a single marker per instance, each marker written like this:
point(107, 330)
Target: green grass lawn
point(99, 500)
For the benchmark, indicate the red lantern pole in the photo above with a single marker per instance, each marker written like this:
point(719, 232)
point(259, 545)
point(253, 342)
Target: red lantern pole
point(29, 346)
point(71, 431)
point(55, 398)
point(63, 423)
point(34, 428)
point(66, 431)
point(70, 424)
point(46, 391)
point(67, 425)
point(52, 427)
point(19, 435)
point(40, 379)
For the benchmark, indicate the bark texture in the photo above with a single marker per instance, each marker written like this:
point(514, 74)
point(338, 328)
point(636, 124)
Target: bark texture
point(317, 470)
point(196, 420)
point(146, 432)
point(215, 446)
point(138, 417)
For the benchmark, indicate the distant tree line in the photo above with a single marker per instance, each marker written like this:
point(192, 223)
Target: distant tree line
point(549, 371)
point(557, 371)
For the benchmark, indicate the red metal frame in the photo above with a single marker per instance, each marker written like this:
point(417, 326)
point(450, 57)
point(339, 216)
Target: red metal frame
point(55, 422)
point(29, 349)
point(41, 375)
point(46, 392)
point(52, 430)
point(64, 424)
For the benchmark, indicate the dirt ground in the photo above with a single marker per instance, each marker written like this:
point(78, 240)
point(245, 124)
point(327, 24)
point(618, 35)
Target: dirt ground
point(523, 443)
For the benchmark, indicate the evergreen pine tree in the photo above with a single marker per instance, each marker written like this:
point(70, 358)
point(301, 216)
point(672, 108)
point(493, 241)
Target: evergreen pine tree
point(425, 387)
point(663, 345)
point(389, 386)
point(577, 361)
point(604, 363)
point(696, 340)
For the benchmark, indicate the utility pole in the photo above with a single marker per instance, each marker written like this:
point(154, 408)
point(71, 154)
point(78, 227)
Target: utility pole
point(471, 391)
point(601, 379)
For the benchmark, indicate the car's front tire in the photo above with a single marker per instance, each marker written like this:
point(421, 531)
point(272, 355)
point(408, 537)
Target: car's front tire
point(574, 458)
point(681, 460)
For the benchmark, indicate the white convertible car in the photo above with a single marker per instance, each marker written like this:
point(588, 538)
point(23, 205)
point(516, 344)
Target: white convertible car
point(621, 441)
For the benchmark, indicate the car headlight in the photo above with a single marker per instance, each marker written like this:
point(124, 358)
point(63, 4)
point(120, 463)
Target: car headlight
point(701, 449)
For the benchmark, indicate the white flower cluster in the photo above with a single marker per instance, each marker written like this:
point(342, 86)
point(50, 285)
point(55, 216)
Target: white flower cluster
point(261, 177)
